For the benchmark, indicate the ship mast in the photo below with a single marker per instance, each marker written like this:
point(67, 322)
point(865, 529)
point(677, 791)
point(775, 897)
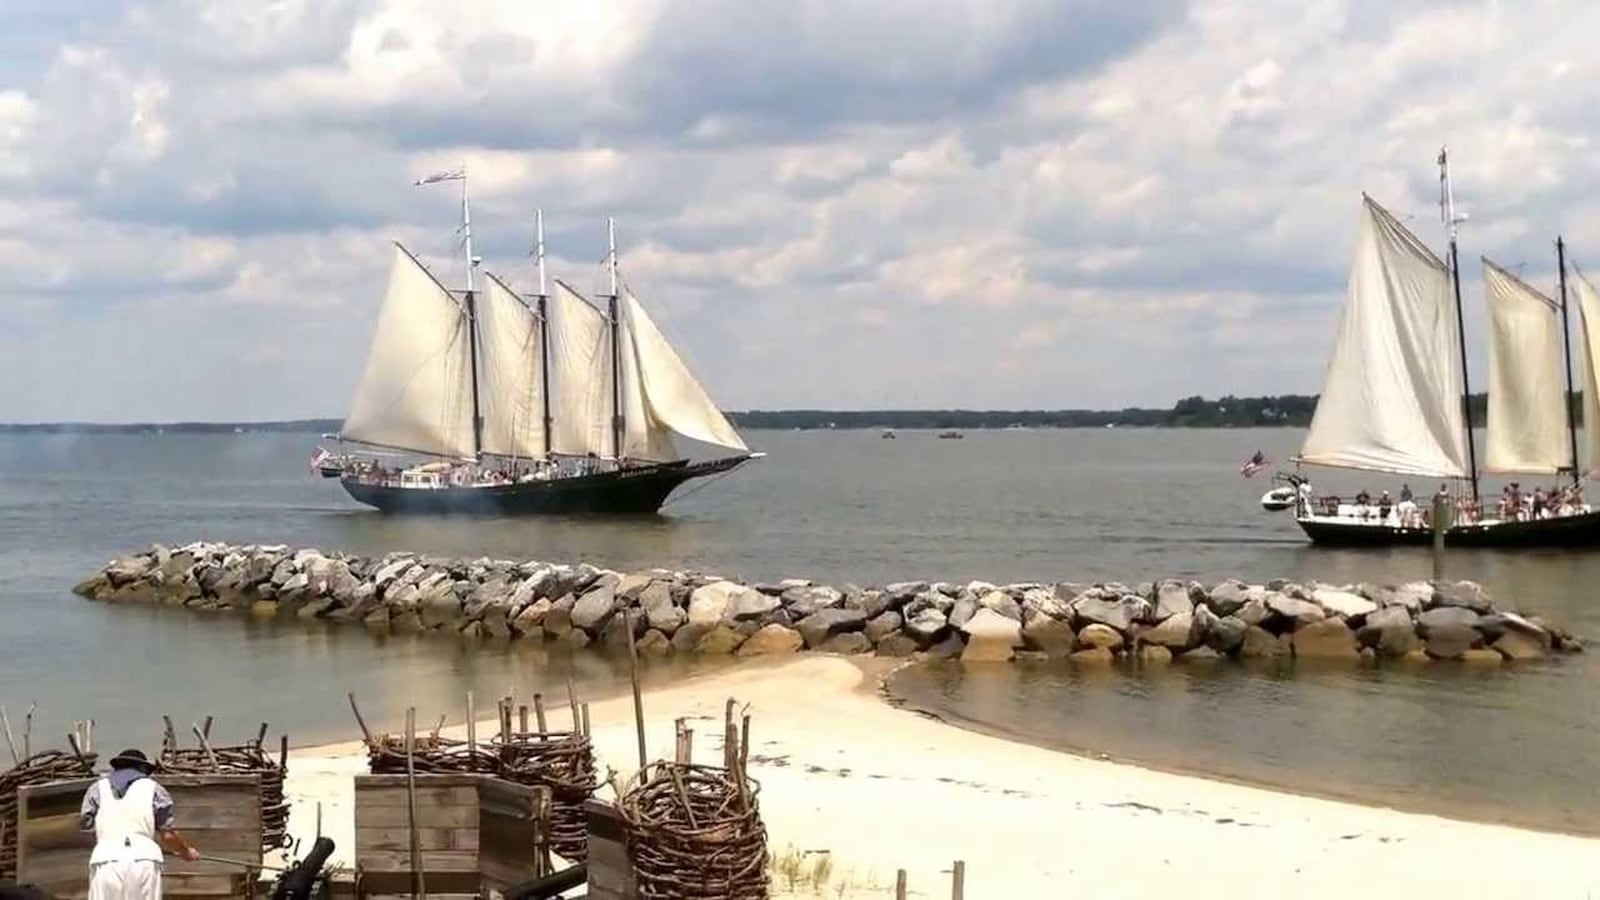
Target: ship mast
point(1566, 345)
point(1447, 210)
point(544, 330)
point(470, 300)
point(617, 423)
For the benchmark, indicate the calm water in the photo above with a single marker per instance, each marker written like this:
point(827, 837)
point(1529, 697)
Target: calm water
point(1130, 505)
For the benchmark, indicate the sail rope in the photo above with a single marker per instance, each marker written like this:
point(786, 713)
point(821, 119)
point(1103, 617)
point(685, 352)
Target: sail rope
point(699, 487)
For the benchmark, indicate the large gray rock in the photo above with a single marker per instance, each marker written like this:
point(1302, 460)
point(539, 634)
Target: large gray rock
point(1041, 602)
point(709, 603)
point(594, 609)
point(1463, 594)
point(1503, 623)
point(719, 641)
point(659, 609)
point(900, 593)
point(881, 626)
point(927, 625)
point(991, 637)
point(1442, 616)
point(1342, 603)
point(1177, 631)
point(824, 623)
point(1325, 639)
point(849, 643)
point(1052, 636)
point(897, 646)
point(1389, 617)
point(1226, 598)
point(1413, 596)
point(771, 640)
point(1115, 612)
point(1451, 641)
point(803, 601)
point(558, 621)
point(1300, 612)
point(439, 605)
point(1515, 645)
point(1395, 641)
point(963, 611)
point(871, 603)
point(1260, 643)
point(532, 616)
point(1171, 598)
point(750, 605)
point(1097, 635)
point(1002, 603)
point(633, 584)
point(130, 569)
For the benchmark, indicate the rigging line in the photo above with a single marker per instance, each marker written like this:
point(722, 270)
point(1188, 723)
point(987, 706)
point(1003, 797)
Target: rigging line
point(699, 487)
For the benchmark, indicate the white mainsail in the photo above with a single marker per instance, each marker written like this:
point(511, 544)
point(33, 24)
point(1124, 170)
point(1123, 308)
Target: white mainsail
point(1391, 401)
point(416, 391)
point(1527, 425)
point(580, 400)
point(511, 394)
point(1589, 310)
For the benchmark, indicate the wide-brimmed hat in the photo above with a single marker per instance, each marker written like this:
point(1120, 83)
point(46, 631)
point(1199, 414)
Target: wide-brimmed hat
point(132, 759)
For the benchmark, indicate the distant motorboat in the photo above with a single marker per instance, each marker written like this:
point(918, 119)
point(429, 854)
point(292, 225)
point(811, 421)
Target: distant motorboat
point(951, 435)
point(888, 434)
point(1278, 499)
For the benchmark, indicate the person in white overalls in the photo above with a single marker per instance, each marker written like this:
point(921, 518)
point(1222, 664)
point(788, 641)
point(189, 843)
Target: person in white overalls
point(131, 815)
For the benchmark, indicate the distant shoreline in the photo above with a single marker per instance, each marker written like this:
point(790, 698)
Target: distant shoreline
point(1283, 411)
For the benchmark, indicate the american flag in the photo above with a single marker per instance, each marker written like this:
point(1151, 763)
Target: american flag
point(318, 457)
point(446, 175)
point(1254, 464)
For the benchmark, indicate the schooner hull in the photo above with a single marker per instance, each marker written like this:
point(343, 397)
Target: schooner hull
point(635, 491)
point(1581, 530)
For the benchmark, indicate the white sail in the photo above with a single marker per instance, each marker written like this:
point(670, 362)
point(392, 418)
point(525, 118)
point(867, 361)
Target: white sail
point(1589, 310)
point(1391, 401)
point(644, 435)
point(580, 400)
point(416, 392)
point(672, 398)
point(509, 386)
point(1527, 426)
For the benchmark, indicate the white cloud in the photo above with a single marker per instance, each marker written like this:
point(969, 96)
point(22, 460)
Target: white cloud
point(965, 202)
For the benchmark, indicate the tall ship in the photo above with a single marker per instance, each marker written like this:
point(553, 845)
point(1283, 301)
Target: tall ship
point(1394, 400)
point(487, 400)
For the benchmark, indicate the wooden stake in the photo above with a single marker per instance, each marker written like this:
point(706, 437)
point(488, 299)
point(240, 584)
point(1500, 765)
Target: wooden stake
point(472, 735)
point(1440, 511)
point(88, 736)
point(170, 735)
point(958, 880)
point(586, 731)
point(744, 747)
point(679, 754)
point(319, 818)
point(261, 736)
point(900, 885)
point(366, 733)
point(411, 802)
point(729, 738)
point(572, 698)
point(283, 753)
point(522, 719)
point(206, 746)
point(206, 729)
point(27, 732)
point(10, 741)
point(638, 697)
point(538, 714)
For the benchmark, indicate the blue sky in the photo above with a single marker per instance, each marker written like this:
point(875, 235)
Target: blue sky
point(825, 204)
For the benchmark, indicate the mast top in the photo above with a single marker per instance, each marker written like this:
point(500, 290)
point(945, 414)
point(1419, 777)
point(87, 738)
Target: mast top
point(1447, 198)
point(459, 174)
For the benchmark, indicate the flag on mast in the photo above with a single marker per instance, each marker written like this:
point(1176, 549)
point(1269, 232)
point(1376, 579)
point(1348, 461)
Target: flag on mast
point(445, 175)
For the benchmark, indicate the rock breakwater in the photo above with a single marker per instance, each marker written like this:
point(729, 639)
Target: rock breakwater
point(1151, 623)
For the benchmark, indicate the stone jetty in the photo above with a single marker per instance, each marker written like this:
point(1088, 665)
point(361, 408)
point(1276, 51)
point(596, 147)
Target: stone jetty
point(577, 605)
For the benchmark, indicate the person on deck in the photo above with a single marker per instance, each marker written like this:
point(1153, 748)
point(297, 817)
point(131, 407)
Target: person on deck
point(131, 816)
point(1405, 493)
point(1384, 505)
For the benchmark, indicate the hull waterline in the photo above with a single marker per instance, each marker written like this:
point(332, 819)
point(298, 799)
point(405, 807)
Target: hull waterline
point(1582, 530)
point(635, 491)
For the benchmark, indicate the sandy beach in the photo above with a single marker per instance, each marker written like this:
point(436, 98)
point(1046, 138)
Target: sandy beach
point(879, 788)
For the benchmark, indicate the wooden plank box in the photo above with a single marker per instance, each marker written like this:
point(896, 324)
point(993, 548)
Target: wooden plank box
point(474, 832)
point(220, 815)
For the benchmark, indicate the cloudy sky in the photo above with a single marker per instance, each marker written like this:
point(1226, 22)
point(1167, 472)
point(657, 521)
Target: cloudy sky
point(982, 203)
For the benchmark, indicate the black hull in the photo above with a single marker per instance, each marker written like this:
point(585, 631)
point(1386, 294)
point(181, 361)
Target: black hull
point(1563, 531)
point(636, 491)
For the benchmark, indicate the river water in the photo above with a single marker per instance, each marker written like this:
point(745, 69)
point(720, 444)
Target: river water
point(1519, 745)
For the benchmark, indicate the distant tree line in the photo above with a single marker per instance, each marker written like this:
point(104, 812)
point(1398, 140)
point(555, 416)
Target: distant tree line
point(1284, 410)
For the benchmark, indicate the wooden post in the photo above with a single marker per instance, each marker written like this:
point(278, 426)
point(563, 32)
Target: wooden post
point(472, 735)
point(958, 880)
point(522, 719)
point(366, 733)
point(1440, 510)
point(10, 741)
point(900, 885)
point(27, 732)
point(585, 726)
point(206, 746)
point(420, 884)
point(680, 753)
point(538, 714)
point(638, 698)
point(572, 698)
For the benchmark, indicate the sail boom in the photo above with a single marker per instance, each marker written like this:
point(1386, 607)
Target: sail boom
point(1377, 468)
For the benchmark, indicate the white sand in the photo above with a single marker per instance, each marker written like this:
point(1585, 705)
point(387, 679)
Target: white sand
point(880, 788)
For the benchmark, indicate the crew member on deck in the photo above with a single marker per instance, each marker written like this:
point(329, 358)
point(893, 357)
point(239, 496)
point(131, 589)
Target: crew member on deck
point(131, 816)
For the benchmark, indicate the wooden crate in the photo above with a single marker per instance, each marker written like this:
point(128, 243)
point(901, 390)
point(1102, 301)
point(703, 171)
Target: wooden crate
point(474, 832)
point(220, 815)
